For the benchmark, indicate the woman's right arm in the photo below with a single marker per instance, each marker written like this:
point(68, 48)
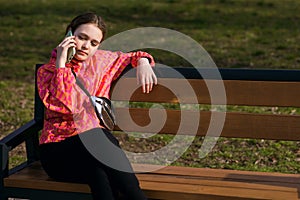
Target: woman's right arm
point(55, 81)
point(55, 87)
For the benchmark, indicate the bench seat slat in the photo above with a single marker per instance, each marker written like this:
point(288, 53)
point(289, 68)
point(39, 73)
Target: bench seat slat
point(222, 174)
point(182, 181)
point(215, 182)
point(216, 189)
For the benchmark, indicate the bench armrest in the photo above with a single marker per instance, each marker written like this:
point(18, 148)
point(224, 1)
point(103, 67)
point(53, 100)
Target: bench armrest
point(27, 133)
point(21, 134)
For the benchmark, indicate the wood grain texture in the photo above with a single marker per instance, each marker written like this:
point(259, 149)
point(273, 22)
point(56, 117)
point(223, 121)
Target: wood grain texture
point(236, 125)
point(237, 92)
point(174, 182)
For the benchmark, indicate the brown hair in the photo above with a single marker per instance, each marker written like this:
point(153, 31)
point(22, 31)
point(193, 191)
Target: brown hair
point(88, 18)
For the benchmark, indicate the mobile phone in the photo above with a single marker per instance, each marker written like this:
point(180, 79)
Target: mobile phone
point(71, 50)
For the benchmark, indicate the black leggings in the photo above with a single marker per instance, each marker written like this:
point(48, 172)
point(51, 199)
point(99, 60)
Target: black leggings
point(69, 160)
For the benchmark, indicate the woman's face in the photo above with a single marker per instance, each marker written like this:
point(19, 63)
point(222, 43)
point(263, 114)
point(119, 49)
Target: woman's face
point(87, 37)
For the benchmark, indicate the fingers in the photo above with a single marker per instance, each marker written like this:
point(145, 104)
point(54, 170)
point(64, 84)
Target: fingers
point(68, 42)
point(154, 78)
point(143, 83)
point(146, 77)
point(62, 48)
point(147, 87)
point(147, 83)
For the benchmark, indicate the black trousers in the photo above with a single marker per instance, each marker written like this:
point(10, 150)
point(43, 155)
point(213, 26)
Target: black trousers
point(69, 160)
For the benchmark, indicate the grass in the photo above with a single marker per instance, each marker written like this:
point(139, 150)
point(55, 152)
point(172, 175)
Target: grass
point(16, 105)
point(240, 154)
point(236, 33)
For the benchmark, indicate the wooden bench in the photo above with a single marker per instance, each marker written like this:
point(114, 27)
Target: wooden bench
point(244, 87)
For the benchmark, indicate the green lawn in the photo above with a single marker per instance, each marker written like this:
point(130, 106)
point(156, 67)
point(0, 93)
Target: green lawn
point(236, 33)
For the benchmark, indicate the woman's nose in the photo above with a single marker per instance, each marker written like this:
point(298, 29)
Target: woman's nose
point(85, 45)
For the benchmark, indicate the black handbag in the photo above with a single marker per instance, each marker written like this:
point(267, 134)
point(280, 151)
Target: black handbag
point(103, 108)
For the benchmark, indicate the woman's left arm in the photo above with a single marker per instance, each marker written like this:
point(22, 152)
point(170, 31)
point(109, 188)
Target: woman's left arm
point(145, 75)
point(140, 60)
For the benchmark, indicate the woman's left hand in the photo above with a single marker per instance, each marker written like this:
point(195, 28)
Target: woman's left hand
point(145, 75)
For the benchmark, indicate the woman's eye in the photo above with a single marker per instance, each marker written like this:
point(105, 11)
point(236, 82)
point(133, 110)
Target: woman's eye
point(81, 37)
point(94, 44)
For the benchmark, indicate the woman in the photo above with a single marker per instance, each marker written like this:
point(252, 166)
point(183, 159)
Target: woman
point(69, 113)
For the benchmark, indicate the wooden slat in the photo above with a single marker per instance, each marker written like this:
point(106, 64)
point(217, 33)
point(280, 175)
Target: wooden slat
point(229, 184)
point(265, 178)
point(239, 184)
point(251, 93)
point(237, 125)
point(219, 188)
point(262, 93)
point(180, 183)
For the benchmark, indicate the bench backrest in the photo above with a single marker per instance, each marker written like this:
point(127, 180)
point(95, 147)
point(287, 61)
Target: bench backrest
point(244, 87)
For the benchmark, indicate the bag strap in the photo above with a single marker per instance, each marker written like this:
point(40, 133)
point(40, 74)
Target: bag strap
point(79, 83)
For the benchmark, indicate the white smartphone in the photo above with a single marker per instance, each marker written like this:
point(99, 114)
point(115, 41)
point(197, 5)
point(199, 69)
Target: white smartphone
point(71, 51)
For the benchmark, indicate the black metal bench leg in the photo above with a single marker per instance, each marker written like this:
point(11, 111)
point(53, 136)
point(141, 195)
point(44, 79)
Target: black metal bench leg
point(3, 169)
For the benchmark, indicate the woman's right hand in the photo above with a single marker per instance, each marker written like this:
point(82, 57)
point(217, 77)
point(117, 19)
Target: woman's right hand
point(62, 51)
